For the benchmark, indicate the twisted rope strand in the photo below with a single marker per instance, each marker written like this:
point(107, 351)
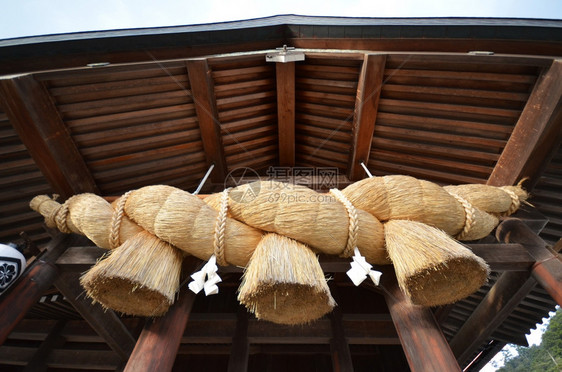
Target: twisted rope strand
point(220, 229)
point(469, 213)
point(515, 202)
point(353, 223)
point(116, 218)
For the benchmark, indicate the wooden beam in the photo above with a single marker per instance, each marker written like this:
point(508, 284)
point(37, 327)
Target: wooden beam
point(27, 290)
point(423, 342)
point(104, 321)
point(36, 119)
point(285, 73)
point(365, 115)
point(239, 355)
point(202, 90)
point(534, 130)
point(159, 341)
point(339, 348)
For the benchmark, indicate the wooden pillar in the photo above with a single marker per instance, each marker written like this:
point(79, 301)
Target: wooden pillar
point(239, 353)
point(203, 92)
point(27, 290)
point(160, 339)
point(53, 340)
point(423, 342)
point(285, 74)
point(365, 115)
point(339, 348)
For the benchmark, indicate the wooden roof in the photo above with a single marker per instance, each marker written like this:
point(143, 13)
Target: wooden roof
point(449, 100)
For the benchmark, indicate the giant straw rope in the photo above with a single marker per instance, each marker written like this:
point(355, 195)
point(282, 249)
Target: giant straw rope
point(393, 219)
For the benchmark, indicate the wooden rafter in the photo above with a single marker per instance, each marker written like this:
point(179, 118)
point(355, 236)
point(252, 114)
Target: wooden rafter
point(532, 138)
point(285, 75)
point(202, 90)
point(40, 127)
point(366, 106)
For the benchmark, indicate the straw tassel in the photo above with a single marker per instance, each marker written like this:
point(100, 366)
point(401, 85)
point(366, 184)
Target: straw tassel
point(284, 283)
point(431, 267)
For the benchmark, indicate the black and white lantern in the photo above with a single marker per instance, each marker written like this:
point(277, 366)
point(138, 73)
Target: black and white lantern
point(12, 264)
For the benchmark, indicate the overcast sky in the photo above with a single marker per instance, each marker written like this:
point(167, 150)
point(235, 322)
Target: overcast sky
point(41, 17)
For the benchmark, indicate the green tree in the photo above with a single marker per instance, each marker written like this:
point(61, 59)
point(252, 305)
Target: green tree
point(547, 357)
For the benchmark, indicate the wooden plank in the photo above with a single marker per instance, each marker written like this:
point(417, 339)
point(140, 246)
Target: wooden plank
point(29, 287)
point(205, 106)
point(37, 122)
point(159, 341)
point(531, 133)
point(239, 355)
point(365, 114)
point(423, 342)
point(104, 321)
point(286, 112)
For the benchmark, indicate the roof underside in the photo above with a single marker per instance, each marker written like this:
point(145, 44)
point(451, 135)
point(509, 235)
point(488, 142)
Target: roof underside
point(168, 105)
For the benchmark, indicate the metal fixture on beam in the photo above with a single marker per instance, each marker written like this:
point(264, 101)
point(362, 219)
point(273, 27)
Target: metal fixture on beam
point(284, 55)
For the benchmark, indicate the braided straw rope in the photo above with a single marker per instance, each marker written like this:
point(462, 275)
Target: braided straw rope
point(515, 202)
point(220, 228)
point(469, 220)
point(116, 218)
point(58, 217)
point(353, 223)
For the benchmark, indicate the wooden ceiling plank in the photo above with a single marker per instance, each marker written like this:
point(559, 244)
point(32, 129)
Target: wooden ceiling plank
point(285, 75)
point(202, 89)
point(160, 339)
point(104, 321)
point(531, 131)
point(40, 127)
point(366, 107)
point(423, 342)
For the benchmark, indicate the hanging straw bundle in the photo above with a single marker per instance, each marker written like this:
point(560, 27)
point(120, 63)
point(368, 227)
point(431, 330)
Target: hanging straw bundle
point(404, 197)
point(318, 220)
point(140, 277)
point(284, 283)
point(431, 267)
